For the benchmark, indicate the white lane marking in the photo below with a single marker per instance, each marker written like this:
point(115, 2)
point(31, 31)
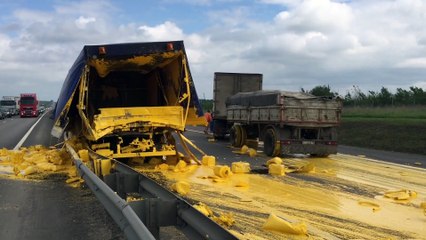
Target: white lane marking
point(28, 133)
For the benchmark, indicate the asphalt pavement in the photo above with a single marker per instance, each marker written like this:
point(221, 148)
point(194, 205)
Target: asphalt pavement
point(223, 146)
point(47, 209)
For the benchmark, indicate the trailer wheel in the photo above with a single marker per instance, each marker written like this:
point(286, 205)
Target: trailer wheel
point(236, 135)
point(270, 145)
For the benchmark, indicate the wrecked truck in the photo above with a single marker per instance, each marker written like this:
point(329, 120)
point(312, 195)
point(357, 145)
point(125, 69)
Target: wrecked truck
point(126, 100)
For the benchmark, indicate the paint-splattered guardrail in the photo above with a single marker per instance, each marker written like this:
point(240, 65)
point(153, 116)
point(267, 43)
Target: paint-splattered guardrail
point(155, 206)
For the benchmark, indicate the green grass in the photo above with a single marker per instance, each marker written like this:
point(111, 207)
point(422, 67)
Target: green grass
point(392, 129)
point(418, 112)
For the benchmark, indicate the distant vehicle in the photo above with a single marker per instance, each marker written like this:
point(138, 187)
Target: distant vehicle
point(286, 122)
point(2, 115)
point(28, 105)
point(10, 104)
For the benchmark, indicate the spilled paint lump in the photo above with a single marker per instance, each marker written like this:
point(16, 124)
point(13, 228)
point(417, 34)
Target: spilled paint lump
point(222, 171)
point(208, 160)
point(240, 167)
point(181, 187)
point(374, 206)
point(277, 224)
point(275, 160)
point(401, 195)
point(276, 169)
point(224, 219)
point(39, 161)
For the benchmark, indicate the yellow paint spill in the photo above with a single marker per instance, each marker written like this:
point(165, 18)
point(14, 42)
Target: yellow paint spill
point(38, 162)
point(133, 198)
point(181, 187)
point(374, 206)
point(401, 195)
point(208, 161)
point(84, 155)
point(241, 184)
point(240, 167)
point(180, 166)
point(276, 169)
point(329, 206)
point(222, 171)
point(275, 160)
point(308, 168)
point(224, 219)
point(162, 167)
point(244, 149)
point(105, 167)
point(252, 152)
point(204, 209)
point(274, 223)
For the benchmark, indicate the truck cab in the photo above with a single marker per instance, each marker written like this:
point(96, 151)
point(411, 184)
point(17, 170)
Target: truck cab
point(28, 105)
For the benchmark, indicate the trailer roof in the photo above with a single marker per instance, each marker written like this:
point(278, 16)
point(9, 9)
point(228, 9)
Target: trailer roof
point(116, 52)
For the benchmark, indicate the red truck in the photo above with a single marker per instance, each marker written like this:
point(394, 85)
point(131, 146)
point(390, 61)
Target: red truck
point(28, 105)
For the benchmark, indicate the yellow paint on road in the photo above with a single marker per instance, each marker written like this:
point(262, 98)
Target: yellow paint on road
point(37, 162)
point(340, 199)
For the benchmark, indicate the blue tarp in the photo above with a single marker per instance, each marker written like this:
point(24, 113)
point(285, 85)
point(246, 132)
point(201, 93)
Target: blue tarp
point(115, 51)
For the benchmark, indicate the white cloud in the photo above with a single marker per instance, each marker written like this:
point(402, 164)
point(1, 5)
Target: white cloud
point(81, 22)
point(162, 32)
point(413, 63)
point(306, 43)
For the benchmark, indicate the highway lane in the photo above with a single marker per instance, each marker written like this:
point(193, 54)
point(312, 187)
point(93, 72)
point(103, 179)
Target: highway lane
point(13, 129)
point(47, 209)
point(406, 159)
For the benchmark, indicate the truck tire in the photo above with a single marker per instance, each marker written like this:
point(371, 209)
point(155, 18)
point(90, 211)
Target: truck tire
point(270, 145)
point(237, 135)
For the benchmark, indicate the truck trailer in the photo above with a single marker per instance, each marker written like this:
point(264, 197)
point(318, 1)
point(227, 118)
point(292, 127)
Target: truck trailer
point(286, 122)
point(126, 100)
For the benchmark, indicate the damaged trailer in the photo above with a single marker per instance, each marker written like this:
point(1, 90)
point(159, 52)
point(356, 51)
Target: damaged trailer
point(125, 100)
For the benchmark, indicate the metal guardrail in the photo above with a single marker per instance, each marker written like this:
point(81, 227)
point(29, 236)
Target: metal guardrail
point(157, 207)
point(118, 209)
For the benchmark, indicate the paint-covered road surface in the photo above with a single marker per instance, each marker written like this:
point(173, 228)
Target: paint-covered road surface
point(343, 198)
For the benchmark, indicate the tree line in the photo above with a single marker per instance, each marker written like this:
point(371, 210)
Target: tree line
point(355, 97)
point(414, 96)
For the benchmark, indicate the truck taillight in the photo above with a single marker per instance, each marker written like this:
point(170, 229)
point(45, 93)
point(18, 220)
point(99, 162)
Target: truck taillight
point(331, 143)
point(170, 47)
point(102, 51)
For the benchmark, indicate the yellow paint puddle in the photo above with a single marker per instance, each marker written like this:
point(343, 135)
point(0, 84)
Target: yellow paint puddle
point(342, 198)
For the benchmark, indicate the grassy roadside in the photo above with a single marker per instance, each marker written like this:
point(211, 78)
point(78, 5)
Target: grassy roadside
point(392, 129)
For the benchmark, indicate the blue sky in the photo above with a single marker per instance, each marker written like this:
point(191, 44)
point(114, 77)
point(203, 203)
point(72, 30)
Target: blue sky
point(294, 43)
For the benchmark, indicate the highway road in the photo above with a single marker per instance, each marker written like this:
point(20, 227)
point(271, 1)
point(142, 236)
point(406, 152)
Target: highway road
point(47, 209)
point(52, 210)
